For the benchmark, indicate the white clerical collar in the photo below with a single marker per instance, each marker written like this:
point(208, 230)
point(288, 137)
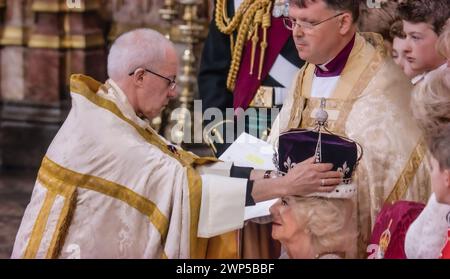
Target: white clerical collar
point(442, 67)
point(415, 80)
point(323, 66)
point(421, 77)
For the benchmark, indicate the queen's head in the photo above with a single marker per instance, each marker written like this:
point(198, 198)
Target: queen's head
point(314, 227)
point(322, 224)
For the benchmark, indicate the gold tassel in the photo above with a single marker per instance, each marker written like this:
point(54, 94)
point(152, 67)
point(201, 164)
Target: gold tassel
point(255, 38)
point(246, 23)
point(265, 25)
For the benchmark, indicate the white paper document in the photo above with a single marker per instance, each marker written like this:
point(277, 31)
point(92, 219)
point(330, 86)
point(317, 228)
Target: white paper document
point(249, 151)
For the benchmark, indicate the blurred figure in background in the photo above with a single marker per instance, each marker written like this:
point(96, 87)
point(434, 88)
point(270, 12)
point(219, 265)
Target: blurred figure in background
point(428, 236)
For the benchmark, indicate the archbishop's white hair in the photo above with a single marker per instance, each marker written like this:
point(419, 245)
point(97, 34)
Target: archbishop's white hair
point(137, 48)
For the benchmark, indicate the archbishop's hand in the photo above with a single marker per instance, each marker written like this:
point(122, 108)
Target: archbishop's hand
point(307, 177)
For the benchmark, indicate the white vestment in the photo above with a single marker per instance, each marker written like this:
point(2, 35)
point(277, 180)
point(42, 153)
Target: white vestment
point(110, 187)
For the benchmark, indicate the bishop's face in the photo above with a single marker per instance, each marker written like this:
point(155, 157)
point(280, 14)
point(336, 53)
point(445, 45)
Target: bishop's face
point(315, 42)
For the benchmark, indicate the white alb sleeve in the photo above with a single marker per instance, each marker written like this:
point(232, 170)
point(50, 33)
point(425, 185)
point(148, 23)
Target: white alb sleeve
point(222, 206)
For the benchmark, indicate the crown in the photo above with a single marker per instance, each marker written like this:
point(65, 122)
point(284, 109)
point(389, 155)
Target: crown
point(297, 145)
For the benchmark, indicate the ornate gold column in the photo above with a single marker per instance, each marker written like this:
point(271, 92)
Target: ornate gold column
point(65, 39)
point(2, 17)
point(131, 14)
point(44, 42)
point(12, 40)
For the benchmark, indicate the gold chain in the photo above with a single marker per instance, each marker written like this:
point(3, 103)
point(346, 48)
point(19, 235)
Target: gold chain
point(222, 15)
point(250, 15)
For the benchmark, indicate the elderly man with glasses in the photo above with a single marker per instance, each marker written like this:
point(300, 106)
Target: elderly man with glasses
point(110, 187)
point(367, 99)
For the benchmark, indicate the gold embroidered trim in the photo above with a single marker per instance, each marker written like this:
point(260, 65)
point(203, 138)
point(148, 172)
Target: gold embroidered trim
point(39, 226)
point(55, 178)
point(374, 66)
point(405, 179)
point(64, 221)
point(87, 87)
point(300, 116)
point(198, 246)
point(299, 101)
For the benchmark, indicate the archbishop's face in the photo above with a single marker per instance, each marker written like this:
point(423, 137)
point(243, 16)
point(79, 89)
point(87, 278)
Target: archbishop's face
point(157, 90)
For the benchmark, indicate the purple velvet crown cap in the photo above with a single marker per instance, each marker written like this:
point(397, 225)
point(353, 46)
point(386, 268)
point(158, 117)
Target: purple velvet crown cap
point(297, 145)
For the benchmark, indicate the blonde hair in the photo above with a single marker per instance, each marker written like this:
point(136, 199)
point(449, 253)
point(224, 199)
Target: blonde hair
point(431, 100)
point(431, 108)
point(443, 43)
point(329, 222)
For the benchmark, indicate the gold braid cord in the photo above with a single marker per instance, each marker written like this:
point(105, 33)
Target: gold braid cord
point(249, 17)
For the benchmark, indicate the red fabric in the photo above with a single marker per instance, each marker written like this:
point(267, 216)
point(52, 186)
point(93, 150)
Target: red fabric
point(446, 250)
point(402, 214)
point(246, 84)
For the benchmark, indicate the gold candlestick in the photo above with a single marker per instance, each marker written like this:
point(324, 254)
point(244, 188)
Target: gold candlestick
point(169, 13)
point(190, 32)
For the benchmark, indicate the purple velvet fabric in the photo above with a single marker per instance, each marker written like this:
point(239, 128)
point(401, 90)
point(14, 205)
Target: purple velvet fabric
point(336, 66)
point(296, 146)
point(402, 214)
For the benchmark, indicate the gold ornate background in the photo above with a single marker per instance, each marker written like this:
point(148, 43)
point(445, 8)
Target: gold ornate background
point(43, 42)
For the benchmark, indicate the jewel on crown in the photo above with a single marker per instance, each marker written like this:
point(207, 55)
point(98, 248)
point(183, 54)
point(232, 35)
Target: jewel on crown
point(321, 120)
point(297, 145)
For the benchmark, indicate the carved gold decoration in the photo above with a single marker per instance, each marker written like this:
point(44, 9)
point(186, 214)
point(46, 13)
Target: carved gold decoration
point(13, 36)
point(118, 29)
point(67, 41)
point(168, 12)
